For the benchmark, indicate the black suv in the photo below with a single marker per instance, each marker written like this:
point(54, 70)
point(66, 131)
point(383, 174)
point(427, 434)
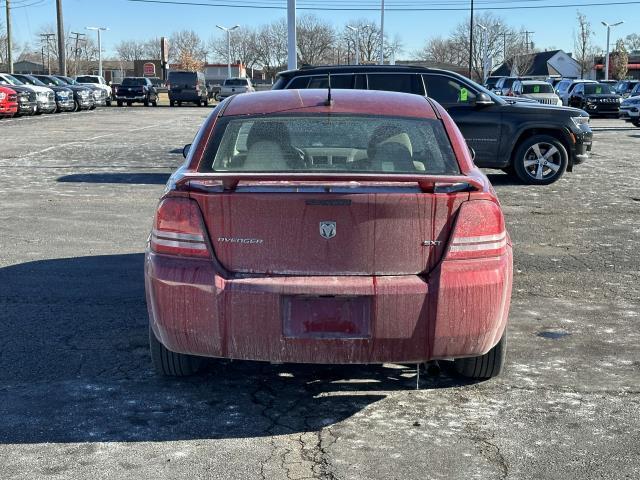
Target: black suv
point(595, 98)
point(536, 142)
point(187, 87)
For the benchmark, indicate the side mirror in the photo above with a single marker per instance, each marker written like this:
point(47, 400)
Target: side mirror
point(185, 150)
point(472, 152)
point(110, 83)
point(482, 99)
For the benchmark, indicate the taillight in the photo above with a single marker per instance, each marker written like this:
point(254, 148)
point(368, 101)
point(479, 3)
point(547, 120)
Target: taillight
point(479, 231)
point(178, 229)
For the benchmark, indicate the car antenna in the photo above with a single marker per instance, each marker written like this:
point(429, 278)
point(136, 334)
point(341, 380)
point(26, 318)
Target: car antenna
point(328, 102)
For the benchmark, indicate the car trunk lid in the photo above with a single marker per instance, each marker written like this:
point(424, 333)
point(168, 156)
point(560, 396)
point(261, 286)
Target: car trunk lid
point(331, 228)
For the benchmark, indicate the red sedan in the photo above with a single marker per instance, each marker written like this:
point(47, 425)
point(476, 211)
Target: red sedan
point(346, 229)
point(8, 102)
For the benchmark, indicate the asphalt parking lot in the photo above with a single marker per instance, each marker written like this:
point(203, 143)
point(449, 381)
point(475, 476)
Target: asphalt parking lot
point(79, 398)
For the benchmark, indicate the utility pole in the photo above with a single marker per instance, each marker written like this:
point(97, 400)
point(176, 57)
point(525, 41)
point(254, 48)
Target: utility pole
point(381, 33)
point(46, 37)
point(228, 31)
point(62, 54)
point(526, 39)
point(485, 53)
point(99, 30)
point(75, 56)
point(471, 40)
point(606, 68)
point(9, 47)
point(292, 52)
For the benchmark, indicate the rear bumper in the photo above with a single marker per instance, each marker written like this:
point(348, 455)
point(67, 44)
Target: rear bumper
point(136, 98)
point(460, 310)
point(188, 96)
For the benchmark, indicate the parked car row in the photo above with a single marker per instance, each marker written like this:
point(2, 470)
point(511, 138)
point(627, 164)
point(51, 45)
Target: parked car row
point(596, 98)
point(37, 94)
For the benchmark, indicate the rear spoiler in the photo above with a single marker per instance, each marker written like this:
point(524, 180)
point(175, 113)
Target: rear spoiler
point(427, 183)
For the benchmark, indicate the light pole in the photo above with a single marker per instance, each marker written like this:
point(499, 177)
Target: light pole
point(229, 30)
point(356, 30)
point(99, 29)
point(381, 32)
point(606, 68)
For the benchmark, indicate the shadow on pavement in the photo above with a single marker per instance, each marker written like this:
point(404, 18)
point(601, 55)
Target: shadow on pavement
point(498, 179)
point(126, 178)
point(75, 367)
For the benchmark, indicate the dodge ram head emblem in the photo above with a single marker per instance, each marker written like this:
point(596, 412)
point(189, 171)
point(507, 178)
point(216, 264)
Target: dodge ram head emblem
point(327, 229)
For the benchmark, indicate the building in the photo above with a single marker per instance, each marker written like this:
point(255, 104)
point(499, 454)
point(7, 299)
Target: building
point(543, 65)
point(113, 70)
point(26, 66)
point(633, 67)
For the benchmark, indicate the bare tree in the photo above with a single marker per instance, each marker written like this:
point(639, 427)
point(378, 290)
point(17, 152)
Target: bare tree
point(271, 47)
point(619, 61)
point(151, 49)
point(583, 47)
point(441, 50)
point(187, 46)
point(632, 42)
point(316, 39)
point(243, 46)
point(3, 44)
point(130, 50)
point(366, 38)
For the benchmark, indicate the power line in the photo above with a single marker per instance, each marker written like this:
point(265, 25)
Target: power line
point(393, 9)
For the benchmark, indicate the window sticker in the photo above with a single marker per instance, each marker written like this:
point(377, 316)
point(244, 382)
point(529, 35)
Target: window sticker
point(598, 89)
point(464, 95)
point(536, 89)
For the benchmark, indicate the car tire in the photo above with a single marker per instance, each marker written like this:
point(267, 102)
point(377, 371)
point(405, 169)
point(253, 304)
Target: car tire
point(484, 366)
point(216, 96)
point(129, 104)
point(636, 123)
point(107, 103)
point(198, 103)
point(76, 106)
point(532, 163)
point(206, 102)
point(172, 103)
point(146, 102)
point(171, 364)
point(179, 104)
point(119, 103)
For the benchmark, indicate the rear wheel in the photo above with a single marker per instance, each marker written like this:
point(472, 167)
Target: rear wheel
point(172, 103)
point(540, 160)
point(199, 103)
point(171, 364)
point(146, 102)
point(485, 366)
point(206, 102)
point(179, 104)
point(119, 103)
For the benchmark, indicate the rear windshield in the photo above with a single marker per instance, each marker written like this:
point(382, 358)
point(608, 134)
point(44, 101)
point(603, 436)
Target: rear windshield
point(134, 82)
point(235, 81)
point(537, 88)
point(183, 77)
point(596, 89)
point(333, 143)
point(87, 79)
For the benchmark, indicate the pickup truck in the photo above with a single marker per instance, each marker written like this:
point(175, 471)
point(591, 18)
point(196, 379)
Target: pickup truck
point(234, 86)
point(137, 89)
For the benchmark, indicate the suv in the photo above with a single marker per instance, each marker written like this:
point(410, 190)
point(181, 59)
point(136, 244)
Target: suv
point(565, 87)
point(96, 81)
point(187, 87)
point(596, 99)
point(234, 86)
point(536, 142)
point(503, 85)
point(625, 87)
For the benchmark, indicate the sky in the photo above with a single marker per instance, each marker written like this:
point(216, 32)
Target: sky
point(126, 20)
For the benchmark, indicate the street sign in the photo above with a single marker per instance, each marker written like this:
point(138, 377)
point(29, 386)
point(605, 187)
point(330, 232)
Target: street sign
point(149, 69)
